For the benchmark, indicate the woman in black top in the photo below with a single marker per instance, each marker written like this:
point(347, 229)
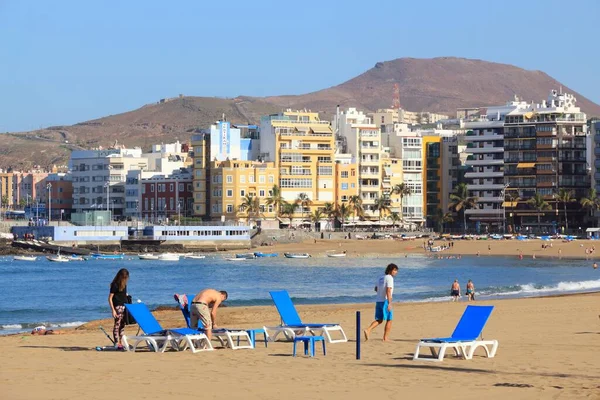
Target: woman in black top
point(117, 300)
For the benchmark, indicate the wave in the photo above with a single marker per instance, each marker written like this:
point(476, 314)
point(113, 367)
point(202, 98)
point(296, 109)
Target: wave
point(531, 289)
point(25, 326)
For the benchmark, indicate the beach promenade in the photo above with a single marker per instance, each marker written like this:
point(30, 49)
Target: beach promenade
point(548, 350)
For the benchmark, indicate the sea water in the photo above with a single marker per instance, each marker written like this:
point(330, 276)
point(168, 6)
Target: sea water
point(69, 294)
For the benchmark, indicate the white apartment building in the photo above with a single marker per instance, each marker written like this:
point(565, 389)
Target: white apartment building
point(99, 178)
point(411, 153)
point(363, 141)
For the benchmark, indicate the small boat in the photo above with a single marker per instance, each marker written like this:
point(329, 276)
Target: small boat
point(247, 256)
point(259, 254)
point(296, 255)
point(168, 257)
point(100, 256)
point(75, 257)
point(236, 259)
point(25, 258)
point(336, 255)
point(194, 256)
point(58, 258)
point(148, 256)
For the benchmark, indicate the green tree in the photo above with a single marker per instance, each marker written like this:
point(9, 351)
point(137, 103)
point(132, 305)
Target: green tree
point(395, 218)
point(330, 211)
point(442, 218)
point(402, 190)
point(22, 203)
point(342, 212)
point(382, 205)
point(316, 217)
point(591, 202)
point(251, 206)
point(303, 201)
point(538, 203)
point(355, 203)
point(275, 199)
point(565, 196)
point(288, 210)
point(461, 201)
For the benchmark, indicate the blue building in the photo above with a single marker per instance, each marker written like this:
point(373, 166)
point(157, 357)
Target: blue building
point(229, 141)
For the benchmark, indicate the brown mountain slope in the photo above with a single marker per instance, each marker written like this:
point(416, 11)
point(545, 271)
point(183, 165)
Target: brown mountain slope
point(439, 84)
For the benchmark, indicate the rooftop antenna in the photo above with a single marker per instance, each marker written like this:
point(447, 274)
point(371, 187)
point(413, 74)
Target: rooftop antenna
point(560, 89)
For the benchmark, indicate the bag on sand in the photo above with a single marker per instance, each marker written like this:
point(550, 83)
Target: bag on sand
point(129, 320)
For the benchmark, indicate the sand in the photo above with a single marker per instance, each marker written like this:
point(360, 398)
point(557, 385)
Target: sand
point(400, 248)
point(549, 349)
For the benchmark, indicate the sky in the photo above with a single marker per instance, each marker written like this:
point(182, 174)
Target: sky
point(67, 61)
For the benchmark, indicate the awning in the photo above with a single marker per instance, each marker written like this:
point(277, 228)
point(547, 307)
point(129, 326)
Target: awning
point(321, 129)
point(388, 171)
point(526, 165)
point(510, 204)
point(592, 230)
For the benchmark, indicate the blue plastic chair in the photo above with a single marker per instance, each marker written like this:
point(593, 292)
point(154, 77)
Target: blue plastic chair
point(465, 339)
point(292, 325)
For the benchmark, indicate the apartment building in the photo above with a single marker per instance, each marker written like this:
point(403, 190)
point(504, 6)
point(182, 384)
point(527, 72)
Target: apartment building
point(232, 180)
point(6, 190)
point(27, 185)
point(229, 141)
point(363, 141)
point(303, 147)
point(347, 178)
point(56, 192)
point(99, 178)
point(166, 197)
point(201, 145)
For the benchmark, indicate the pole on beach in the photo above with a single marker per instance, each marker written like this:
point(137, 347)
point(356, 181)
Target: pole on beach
point(358, 335)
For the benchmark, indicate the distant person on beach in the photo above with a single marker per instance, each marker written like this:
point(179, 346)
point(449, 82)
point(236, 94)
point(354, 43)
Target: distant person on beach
point(383, 305)
point(595, 265)
point(470, 291)
point(455, 290)
point(117, 298)
point(42, 331)
point(204, 309)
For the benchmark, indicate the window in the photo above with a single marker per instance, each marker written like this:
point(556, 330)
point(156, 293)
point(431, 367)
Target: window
point(198, 173)
point(328, 171)
point(229, 208)
point(171, 203)
point(229, 179)
point(344, 186)
point(261, 179)
point(152, 188)
point(271, 179)
point(242, 192)
point(171, 187)
point(352, 185)
point(180, 187)
point(344, 174)
point(304, 183)
point(261, 193)
point(251, 178)
point(229, 192)
point(242, 178)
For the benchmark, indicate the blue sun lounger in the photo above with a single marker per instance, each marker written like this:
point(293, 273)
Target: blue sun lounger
point(291, 324)
point(158, 339)
point(227, 337)
point(465, 339)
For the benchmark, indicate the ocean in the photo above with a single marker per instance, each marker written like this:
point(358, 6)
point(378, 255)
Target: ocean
point(69, 294)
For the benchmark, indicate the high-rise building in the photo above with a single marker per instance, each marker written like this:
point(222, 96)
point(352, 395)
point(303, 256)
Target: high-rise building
point(303, 147)
point(234, 142)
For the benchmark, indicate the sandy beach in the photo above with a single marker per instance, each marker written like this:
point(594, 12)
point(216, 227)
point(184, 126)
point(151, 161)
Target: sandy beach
point(374, 248)
point(548, 350)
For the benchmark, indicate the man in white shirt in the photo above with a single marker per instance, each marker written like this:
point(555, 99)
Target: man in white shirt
point(383, 305)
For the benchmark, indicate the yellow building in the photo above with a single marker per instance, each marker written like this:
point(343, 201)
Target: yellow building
point(432, 166)
point(232, 180)
point(6, 189)
point(392, 176)
point(302, 146)
point(346, 182)
point(201, 148)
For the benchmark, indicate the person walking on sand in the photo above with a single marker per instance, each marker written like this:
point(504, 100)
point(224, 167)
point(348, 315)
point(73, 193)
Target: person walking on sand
point(383, 305)
point(204, 309)
point(455, 290)
point(470, 291)
point(117, 298)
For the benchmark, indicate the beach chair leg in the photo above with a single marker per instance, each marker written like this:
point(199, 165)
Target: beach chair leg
point(312, 348)
point(324, 351)
point(442, 353)
point(417, 350)
point(294, 352)
point(305, 348)
point(266, 338)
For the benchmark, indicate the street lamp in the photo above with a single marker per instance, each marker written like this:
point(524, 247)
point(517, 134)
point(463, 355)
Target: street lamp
point(137, 209)
point(504, 208)
point(107, 186)
point(49, 187)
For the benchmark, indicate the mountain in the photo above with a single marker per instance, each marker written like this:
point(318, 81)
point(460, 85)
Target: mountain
point(439, 84)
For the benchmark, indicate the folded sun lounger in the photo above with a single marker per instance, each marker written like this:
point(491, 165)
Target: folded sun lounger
point(159, 339)
point(292, 326)
point(233, 338)
point(465, 339)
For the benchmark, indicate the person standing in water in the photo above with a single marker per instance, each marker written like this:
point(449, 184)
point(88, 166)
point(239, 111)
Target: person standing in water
point(470, 291)
point(383, 305)
point(455, 290)
point(117, 298)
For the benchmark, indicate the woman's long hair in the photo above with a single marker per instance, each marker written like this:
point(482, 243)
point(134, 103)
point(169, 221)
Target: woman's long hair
point(390, 268)
point(120, 279)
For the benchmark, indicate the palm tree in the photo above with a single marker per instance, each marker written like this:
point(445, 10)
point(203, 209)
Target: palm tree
point(402, 190)
point(461, 201)
point(303, 201)
point(356, 205)
point(288, 209)
point(442, 218)
point(565, 196)
point(395, 217)
point(342, 212)
point(250, 205)
point(591, 202)
point(275, 199)
point(316, 217)
point(329, 211)
point(513, 197)
point(539, 204)
point(383, 204)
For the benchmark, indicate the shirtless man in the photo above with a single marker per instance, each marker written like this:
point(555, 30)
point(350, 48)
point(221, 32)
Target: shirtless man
point(455, 290)
point(200, 309)
point(471, 290)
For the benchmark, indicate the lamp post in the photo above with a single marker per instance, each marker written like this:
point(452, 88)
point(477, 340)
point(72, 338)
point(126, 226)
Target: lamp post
point(137, 209)
point(504, 208)
point(49, 187)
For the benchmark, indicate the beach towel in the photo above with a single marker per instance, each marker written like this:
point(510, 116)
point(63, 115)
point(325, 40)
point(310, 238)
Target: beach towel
point(182, 300)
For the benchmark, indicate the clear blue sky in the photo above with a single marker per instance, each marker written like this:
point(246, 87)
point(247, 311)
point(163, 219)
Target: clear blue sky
point(67, 61)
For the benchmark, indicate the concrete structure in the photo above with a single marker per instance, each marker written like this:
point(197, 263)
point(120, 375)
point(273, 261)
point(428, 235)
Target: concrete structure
point(385, 119)
point(82, 235)
point(303, 147)
point(166, 198)
point(239, 142)
point(99, 177)
point(168, 157)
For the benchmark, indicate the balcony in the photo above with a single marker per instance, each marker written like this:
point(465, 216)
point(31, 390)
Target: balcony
point(486, 211)
point(485, 186)
point(486, 162)
point(491, 174)
point(370, 174)
point(490, 199)
point(488, 137)
point(484, 150)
